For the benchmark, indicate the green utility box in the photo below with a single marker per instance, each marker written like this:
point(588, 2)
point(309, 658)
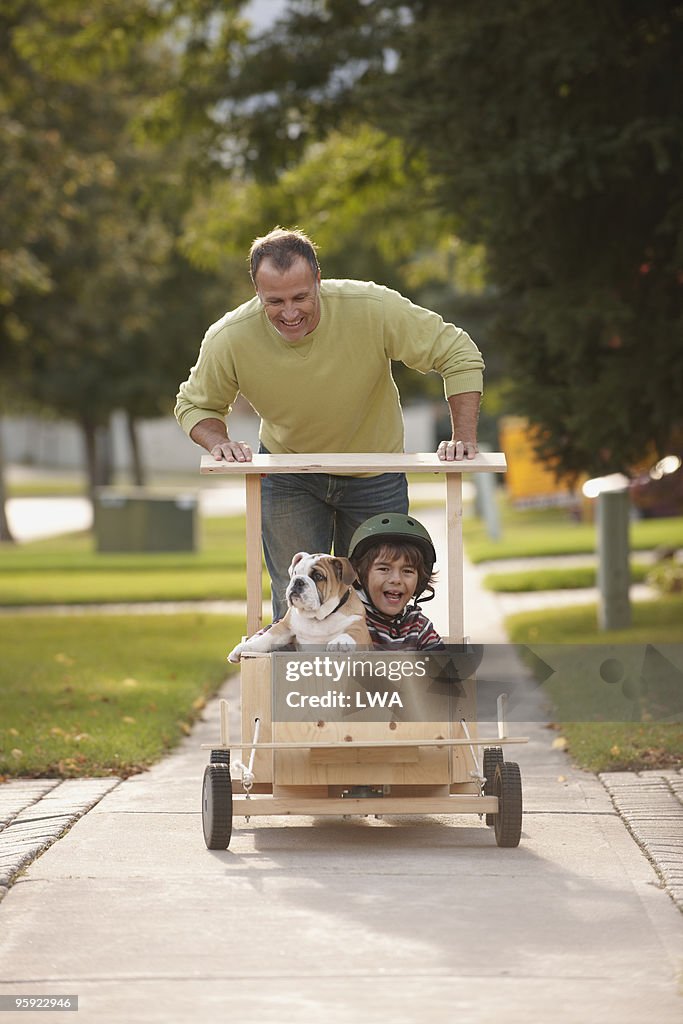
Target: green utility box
point(141, 520)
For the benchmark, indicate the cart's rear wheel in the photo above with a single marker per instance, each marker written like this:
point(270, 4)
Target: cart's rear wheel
point(492, 757)
point(217, 806)
point(507, 785)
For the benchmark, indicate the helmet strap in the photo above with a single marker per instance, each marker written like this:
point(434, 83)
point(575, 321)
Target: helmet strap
point(427, 594)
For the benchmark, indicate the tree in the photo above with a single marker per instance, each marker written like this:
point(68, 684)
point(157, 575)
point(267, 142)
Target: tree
point(555, 130)
point(91, 324)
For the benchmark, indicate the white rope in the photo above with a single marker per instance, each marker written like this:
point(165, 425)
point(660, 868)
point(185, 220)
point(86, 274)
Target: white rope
point(248, 777)
point(477, 773)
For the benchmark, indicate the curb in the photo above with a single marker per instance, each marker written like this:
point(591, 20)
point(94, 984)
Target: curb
point(34, 813)
point(650, 803)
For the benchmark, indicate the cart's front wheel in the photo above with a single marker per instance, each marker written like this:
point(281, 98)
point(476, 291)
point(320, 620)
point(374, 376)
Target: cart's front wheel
point(217, 806)
point(507, 785)
point(492, 757)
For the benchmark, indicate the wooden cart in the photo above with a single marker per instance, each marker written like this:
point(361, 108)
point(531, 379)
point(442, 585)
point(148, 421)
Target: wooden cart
point(345, 768)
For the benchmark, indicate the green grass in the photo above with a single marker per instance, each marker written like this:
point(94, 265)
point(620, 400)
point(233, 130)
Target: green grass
point(608, 745)
point(47, 488)
point(67, 570)
point(543, 532)
point(99, 695)
point(564, 578)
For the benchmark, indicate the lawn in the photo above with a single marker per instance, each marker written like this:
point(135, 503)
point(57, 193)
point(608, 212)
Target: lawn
point(630, 737)
point(101, 695)
point(562, 578)
point(543, 532)
point(68, 570)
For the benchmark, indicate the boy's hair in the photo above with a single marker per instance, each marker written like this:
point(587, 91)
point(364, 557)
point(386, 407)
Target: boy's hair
point(283, 247)
point(391, 550)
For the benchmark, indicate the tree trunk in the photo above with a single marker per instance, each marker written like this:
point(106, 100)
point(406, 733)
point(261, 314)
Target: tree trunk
point(89, 430)
point(5, 532)
point(137, 465)
point(98, 459)
point(105, 462)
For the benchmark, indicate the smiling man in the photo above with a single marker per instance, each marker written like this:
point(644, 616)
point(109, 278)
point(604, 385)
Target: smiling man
point(313, 357)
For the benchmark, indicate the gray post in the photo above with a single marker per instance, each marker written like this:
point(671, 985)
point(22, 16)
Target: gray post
point(485, 505)
point(614, 571)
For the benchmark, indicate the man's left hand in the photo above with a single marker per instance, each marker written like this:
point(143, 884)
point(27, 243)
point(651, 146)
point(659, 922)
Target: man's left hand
point(455, 451)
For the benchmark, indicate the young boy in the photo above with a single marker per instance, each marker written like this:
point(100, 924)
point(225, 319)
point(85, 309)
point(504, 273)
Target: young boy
point(394, 557)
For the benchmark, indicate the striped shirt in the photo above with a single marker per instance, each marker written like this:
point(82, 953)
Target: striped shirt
point(409, 631)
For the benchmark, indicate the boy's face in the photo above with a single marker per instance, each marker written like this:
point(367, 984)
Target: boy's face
point(391, 583)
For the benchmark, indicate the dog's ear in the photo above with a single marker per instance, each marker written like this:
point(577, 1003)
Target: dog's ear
point(343, 570)
point(295, 561)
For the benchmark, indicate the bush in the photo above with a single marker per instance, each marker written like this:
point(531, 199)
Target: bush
point(667, 577)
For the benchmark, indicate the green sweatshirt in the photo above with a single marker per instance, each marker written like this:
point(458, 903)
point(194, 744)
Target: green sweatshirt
point(332, 391)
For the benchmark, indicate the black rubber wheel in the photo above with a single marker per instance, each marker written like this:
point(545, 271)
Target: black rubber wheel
point(507, 785)
point(220, 757)
point(492, 757)
point(217, 806)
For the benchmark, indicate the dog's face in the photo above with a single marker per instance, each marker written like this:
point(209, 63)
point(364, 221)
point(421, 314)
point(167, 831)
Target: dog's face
point(318, 582)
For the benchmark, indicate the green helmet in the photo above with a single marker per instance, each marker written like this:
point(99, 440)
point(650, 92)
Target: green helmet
point(393, 526)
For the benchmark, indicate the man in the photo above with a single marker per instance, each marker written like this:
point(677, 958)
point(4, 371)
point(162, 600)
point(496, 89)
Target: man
point(313, 358)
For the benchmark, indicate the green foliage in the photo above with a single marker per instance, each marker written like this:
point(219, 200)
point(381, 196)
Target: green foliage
point(98, 310)
point(667, 577)
point(555, 131)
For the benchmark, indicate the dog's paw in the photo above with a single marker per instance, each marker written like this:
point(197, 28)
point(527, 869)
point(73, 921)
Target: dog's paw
point(236, 653)
point(343, 642)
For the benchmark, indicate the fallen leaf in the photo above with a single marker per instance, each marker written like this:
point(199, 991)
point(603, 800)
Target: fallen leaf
point(560, 743)
point(16, 753)
point(128, 720)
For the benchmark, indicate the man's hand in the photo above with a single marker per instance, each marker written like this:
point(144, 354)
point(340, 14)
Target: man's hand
point(455, 451)
point(231, 451)
point(212, 434)
point(464, 413)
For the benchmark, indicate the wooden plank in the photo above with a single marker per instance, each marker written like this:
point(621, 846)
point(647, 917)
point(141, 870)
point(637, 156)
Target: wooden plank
point(491, 741)
point(255, 686)
point(454, 558)
point(354, 462)
point(260, 806)
point(365, 755)
point(296, 766)
point(254, 555)
point(300, 792)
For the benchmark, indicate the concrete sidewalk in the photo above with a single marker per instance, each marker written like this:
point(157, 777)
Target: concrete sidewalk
point(361, 920)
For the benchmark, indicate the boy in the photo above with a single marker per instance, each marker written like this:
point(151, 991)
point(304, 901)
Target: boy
point(394, 557)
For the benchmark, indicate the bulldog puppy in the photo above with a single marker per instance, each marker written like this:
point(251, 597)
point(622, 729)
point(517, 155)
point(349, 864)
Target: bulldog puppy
point(323, 609)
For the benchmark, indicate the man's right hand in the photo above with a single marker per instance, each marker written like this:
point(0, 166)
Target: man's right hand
point(212, 435)
point(231, 451)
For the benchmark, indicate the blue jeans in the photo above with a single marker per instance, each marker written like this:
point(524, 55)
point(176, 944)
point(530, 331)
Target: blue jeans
point(319, 512)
